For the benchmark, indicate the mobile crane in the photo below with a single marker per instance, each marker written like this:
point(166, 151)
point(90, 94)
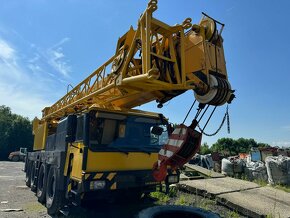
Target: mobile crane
point(92, 143)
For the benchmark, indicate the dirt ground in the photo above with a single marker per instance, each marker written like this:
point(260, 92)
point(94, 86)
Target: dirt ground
point(15, 195)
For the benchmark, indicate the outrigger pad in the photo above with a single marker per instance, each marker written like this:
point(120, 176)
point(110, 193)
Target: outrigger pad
point(181, 146)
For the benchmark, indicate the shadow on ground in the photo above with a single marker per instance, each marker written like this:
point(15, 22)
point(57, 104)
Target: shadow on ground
point(121, 209)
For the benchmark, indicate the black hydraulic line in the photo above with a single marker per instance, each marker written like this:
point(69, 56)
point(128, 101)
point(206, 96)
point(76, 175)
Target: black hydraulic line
point(194, 122)
point(228, 120)
point(209, 118)
point(226, 117)
point(189, 111)
point(213, 19)
point(203, 113)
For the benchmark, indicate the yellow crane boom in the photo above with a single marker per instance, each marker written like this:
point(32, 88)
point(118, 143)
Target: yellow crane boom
point(172, 59)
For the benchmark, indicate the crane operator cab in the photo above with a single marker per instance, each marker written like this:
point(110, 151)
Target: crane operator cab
point(118, 132)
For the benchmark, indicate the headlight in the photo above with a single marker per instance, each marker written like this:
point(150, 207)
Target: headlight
point(100, 184)
point(172, 179)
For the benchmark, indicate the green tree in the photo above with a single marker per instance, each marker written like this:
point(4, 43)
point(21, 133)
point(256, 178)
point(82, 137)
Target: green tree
point(15, 132)
point(245, 145)
point(227, 146)
point(263, 145)
point(204, 149)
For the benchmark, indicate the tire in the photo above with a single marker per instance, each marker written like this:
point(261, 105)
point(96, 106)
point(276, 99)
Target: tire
point(175, 212)
point(42, 183)
point(15, 158)
point(27, 175)
point(22, 158)
point(54, 197)
point(32, 177)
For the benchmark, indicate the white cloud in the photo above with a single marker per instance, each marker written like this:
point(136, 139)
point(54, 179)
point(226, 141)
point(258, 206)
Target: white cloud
point(287, 128)
point(57, 61)
point(35, 58)
point(22, 100)
point(16, 86)
point(6, 51)
point(284, 144)
point(9, 69)
point(28, 82)
point(61, 42)
point(56, 58)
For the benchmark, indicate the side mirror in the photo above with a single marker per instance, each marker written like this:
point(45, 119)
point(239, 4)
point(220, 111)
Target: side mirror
point(157, 130)
point(71, 128)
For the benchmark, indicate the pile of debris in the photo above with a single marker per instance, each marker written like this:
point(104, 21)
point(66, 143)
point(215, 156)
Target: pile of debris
point(270, 164)
point(278, 169)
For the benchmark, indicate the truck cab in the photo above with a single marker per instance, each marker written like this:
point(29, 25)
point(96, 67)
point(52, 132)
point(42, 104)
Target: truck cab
point(97, 154)
point(114, 153)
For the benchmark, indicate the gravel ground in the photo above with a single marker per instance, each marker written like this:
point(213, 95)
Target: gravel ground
point(15, 195)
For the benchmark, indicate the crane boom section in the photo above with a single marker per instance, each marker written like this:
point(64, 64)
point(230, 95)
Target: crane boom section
point(172, 60)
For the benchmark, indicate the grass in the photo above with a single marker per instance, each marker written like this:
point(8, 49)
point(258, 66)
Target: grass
point(183, 200)
point(260, 182)
point(175, 197)
point(263, 183)
point(172, 192)
point(161, 197)
point(283, 188)
point(205, 203)
point(232, 214)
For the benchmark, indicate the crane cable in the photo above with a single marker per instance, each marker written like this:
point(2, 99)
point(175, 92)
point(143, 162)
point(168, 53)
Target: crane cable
point(226, 117)
point(188, 111)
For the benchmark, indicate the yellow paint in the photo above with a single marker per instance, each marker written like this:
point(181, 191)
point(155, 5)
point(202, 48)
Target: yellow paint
point(77, 160)
point(40, 131)
point(98, 175)
point(69, 187)
point(115, 161)
point(114, 186)
point(111, 176)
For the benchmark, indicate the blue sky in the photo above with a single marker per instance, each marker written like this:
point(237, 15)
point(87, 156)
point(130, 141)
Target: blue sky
point(45, 45)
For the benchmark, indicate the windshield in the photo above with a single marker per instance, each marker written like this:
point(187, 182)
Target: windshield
point(125, 133)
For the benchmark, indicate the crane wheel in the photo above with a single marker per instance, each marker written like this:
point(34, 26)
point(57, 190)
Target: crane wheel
point(54, 197)
point(32, 177)
point(209, 25)
point(27, 175)
point(15, 158)
point(117, 62)
point(219, 92)
point(41, 183)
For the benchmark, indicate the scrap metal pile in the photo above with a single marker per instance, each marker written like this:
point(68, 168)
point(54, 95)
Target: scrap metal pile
point(269, 164)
